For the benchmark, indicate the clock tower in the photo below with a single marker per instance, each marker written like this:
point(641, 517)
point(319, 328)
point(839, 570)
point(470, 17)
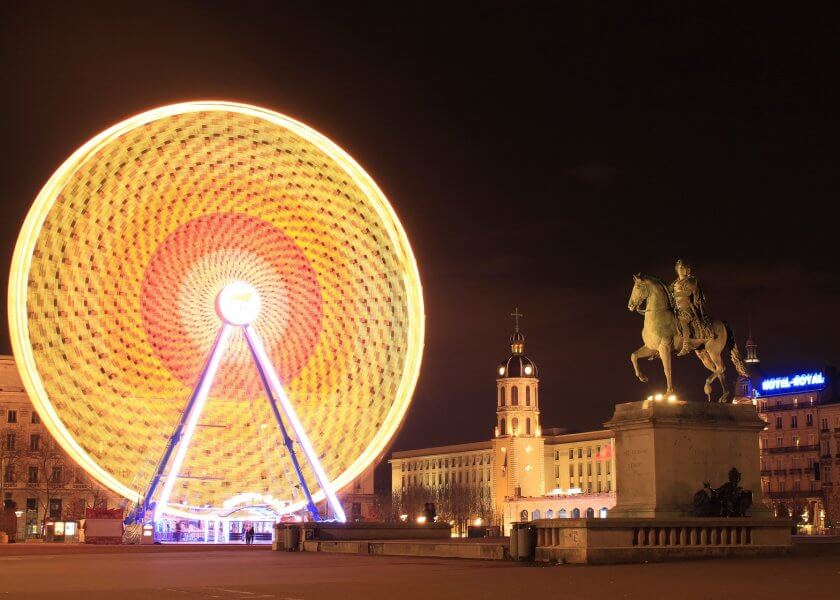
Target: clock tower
point(518, 460)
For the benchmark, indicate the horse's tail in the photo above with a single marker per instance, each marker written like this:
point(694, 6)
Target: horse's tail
point(735, 353)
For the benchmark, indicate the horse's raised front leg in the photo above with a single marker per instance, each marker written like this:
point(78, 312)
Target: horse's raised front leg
point(665, 355)
point(642, 352)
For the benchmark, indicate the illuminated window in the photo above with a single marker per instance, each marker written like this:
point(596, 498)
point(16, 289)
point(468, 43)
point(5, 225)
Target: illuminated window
point(514, 425)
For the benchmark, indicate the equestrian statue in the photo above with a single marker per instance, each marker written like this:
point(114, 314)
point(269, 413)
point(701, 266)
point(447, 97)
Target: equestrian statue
point(676, 320)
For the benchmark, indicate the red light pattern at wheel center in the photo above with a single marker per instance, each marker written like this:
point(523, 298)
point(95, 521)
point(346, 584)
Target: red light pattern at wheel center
point(190, 269)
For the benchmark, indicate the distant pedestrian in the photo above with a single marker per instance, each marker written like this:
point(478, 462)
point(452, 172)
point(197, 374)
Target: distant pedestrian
point(249, 535)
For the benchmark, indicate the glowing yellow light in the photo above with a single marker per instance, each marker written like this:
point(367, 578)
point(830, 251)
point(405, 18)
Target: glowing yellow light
point(238, 303)
point(528, 448)
point(74, 295)
point(403, 518)
point(478, 522)
point(528, 369)
point(672, 398)
point(501, 370)
point(528, 467)
point(421, 519)
point(658, 397)
point(650, 398)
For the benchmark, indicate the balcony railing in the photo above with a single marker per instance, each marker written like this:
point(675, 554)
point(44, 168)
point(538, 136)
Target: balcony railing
point(782, 449)
point(779, 472)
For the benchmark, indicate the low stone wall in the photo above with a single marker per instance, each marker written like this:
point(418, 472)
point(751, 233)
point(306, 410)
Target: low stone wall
point(368, 531)
point(605, 541)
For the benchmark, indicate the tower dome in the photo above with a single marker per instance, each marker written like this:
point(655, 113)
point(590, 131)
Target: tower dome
point(517, 364)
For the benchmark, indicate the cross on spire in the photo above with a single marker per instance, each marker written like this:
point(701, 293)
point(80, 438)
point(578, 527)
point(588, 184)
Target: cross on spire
point(516, 315)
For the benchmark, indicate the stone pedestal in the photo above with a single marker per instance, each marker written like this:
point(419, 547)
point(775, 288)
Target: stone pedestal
point(666, 450)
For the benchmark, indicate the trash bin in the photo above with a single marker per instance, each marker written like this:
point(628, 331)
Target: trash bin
point(291, 538)
point(522, 539)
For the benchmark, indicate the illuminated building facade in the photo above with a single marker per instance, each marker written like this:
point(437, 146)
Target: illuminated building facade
point(37, 478)
point(800, 447)
point(524, 471)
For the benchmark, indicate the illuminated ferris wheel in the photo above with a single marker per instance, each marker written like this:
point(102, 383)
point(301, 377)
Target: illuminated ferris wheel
point(211, 300)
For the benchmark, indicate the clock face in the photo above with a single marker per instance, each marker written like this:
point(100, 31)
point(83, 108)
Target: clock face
point(161, 224)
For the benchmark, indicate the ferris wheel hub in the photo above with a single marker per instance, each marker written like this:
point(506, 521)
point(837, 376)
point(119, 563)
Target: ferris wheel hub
point(238, 303)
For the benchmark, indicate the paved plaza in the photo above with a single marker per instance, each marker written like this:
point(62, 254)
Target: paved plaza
point(185, 573)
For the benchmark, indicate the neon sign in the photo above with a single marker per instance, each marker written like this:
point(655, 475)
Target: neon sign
point(794, 383)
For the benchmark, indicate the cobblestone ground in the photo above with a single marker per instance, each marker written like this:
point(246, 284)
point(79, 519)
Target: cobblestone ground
point(244, 573)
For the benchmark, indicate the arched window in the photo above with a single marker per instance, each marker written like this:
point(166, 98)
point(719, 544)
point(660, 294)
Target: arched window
point(590, 513)
point(514, 396)
point(514, 425)
point(603, 512)
point(502, 427)
point(562, 514)
point(576, 513)
point(535, 515)
point(527, 395)
point(527, 426)
point(523, 516)
point(549, 514)
point(502, 396)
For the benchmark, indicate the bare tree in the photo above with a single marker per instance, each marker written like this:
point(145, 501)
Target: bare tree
point(48, 476)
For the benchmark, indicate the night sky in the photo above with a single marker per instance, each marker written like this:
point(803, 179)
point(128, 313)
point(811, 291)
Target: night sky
point(536, 158)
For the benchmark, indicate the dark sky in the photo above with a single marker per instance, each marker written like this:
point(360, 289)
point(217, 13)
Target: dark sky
point(537, 159)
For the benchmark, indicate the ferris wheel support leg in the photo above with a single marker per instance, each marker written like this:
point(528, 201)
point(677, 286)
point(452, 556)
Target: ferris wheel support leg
point(287, 441)
point(263, 360)
point(189, 420)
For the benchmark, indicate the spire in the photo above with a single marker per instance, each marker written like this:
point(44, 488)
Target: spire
point(752, 351)
point(517, 340)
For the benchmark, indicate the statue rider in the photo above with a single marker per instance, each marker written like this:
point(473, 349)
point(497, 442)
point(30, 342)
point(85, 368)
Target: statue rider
point(688, 301)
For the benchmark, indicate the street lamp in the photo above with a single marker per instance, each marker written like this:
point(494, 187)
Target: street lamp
point(18, 513)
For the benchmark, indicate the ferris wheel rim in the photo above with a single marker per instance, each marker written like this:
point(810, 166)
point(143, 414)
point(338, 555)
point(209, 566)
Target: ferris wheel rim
point(30, 234)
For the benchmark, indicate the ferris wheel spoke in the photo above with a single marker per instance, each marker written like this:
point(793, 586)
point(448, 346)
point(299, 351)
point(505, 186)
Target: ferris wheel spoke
point(264, 363)
point(194, 408)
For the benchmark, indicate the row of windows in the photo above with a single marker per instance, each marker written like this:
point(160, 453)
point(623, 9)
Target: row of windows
point(763, 404)
point(35, 475)
point(445, 463)
point(580, 451)
point(514, 426)
point(10, 443)
point(514, 395)
point(474, 476)
point(564, 514)
point(781, 441)
point(794, 421)
point(12, 417)
point(572, 469)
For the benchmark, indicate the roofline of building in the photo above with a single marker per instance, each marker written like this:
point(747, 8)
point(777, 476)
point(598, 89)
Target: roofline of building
point(452, 449)
point(583, 436)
